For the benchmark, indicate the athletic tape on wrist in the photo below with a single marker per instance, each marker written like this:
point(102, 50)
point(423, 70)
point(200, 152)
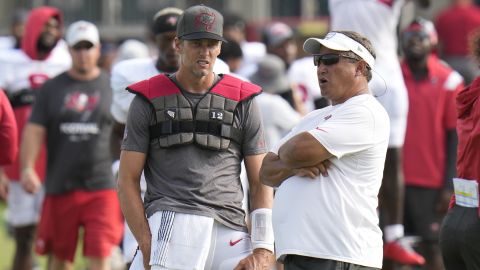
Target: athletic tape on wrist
point(262, 230)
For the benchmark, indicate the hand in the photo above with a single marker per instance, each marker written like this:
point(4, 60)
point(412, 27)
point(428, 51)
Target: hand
point(3, 185)
point(313, 171)
point(146, 249)
point(260, 259)
point(30, 181)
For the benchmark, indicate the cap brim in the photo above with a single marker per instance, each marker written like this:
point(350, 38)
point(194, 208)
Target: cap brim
point(203, 35)
point(313, 45)
point(338, 42)
point(76, 41)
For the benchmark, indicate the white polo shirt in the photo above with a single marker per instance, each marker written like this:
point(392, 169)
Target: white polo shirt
point(334, 217)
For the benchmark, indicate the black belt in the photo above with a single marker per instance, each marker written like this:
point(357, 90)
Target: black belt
point(21, 98)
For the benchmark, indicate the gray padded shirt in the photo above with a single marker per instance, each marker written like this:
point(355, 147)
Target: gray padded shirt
point(190, 179)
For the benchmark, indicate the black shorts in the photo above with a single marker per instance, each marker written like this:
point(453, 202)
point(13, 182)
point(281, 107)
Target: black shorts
point(460, 239)
point(420, 216)
point(297, 262)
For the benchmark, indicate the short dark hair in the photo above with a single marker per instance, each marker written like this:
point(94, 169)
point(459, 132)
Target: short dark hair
point(233, 20)
point(230, 49)
point(365, 42)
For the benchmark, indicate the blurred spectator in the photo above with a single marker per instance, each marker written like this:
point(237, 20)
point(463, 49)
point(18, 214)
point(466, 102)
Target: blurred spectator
point(278, 37)
point(270, 75)
point(234, 28)
point(107, 56)
point(455, 26)
point(305, 82)
point(8, 132)
point(429, 152)
point(8, 140)
point(131, 49)
point(231, 53)
point(17, 28)
point(72, 114)
point(460, 232)
point(43, 55)
point(276, 103)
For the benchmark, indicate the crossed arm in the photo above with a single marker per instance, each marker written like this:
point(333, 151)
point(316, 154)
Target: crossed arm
point(301, 155)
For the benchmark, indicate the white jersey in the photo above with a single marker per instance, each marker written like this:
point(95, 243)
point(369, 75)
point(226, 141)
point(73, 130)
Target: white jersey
point(334, 217)
point(378, 21)
point(253, 52)
point(19, 72)
point(303, 74)
point(278, 117)
point(7, 42)
point(131, 71)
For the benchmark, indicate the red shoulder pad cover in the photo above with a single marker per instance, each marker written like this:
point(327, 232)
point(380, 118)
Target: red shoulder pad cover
point(156, 86)
point(235, 89)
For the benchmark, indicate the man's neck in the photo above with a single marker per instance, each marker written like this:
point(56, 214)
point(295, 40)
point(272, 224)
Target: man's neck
point(193, 83)
point(162, 67)
point(84, 76)
point(418, 68)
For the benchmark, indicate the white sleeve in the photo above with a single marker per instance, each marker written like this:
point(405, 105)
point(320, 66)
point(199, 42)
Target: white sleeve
point(220, 67)
point(294, 131)
point(348, 131)
point(284, 116)
point(121, 97)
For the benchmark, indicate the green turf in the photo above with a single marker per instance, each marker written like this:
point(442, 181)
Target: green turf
point(7, 247)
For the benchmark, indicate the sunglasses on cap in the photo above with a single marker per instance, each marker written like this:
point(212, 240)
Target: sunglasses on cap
point(82, 46)
point(329, 58)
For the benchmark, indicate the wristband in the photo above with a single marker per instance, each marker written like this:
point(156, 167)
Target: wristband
point(262, 230)
point(27, 170)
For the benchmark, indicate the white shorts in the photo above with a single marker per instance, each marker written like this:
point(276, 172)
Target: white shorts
point(23, 208)
point(223, 249)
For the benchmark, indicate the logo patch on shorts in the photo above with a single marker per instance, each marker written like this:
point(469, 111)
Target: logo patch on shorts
point(233, 243)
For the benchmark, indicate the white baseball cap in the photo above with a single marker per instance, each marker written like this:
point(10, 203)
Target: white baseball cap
point(338, 42)
point(82, 31)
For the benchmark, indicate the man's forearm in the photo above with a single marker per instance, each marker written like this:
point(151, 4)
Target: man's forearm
point(133, 210)
point(274, 171)
point(32, 140)
point(261, 196)
point(303, 150)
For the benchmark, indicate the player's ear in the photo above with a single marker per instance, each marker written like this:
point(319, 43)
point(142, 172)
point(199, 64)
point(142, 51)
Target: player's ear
point(361, 68)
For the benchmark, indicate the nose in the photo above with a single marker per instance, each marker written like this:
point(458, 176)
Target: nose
point(204, 49)
point(321, 68)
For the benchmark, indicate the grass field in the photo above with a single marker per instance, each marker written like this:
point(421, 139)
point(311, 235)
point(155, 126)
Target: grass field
point(7, 247)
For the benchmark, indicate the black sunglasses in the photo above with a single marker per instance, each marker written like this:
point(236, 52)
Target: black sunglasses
point(82, 46)
point(329, 58)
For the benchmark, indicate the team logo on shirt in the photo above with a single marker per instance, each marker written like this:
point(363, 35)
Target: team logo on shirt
point(37, 79)
point(77, 109)
point(170, 113)
point(81, 102)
